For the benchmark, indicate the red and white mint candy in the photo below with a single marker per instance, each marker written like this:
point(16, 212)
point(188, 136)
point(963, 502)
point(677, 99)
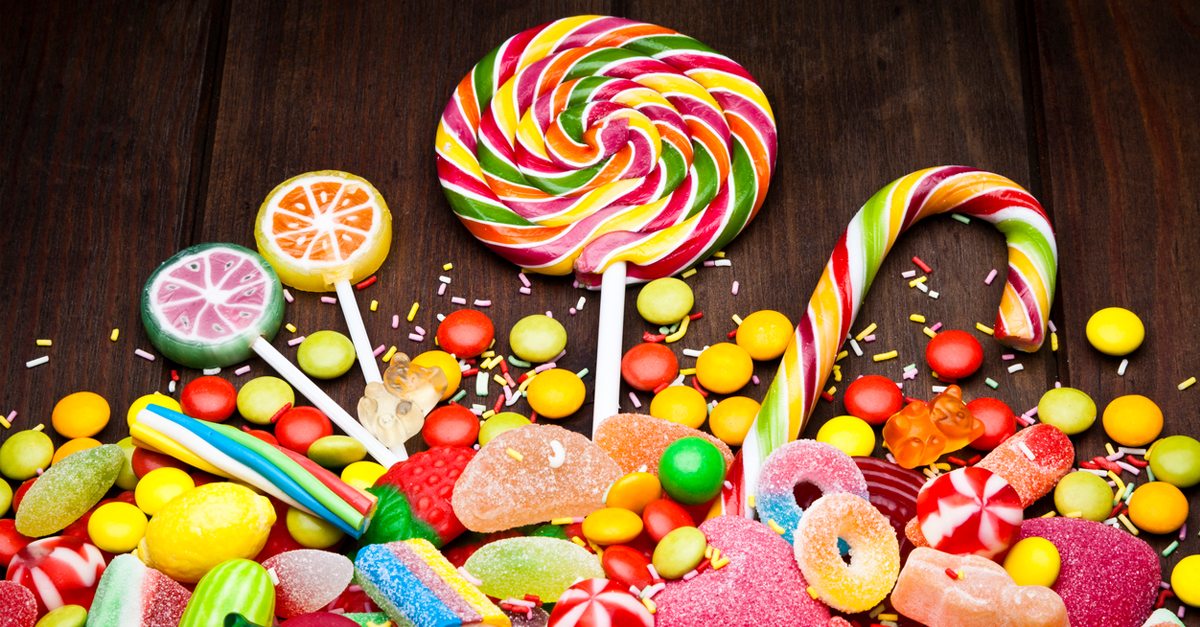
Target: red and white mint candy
point(969, 511)
point(599, 603)
point(60, 571)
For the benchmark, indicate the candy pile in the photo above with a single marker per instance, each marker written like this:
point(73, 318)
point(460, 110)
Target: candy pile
point(659, 518)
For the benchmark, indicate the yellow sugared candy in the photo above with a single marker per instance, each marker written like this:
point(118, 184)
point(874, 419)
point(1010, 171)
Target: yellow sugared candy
point(764, 334)
point(311, 532)
point(1033, 562)
point(1185, 580)
point(680, 404)
point(446, 363)
point(730, 420)
point(852, 435)
point(556, 393)
point(362, 475)
point(724, 368)
point(1132, 420)
point(1158, 507)
point(612, 525)
point(73, 446)
point(117, 527)
point(634, 491)
point(159, 486)
point(1115, 331)
point(80, 415)
point(156, 398)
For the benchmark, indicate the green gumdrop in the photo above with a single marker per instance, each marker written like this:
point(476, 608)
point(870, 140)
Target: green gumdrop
point(24, 453)
point(235, 586)
point(65, 616)
point(515, 567)
point(393, 520)
point(126, 478)
point(68, 490)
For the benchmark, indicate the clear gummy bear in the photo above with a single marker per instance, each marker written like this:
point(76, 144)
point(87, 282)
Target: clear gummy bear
point(395, 410)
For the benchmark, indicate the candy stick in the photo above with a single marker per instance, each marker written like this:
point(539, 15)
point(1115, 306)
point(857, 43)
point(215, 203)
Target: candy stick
point(594, 141)
point(809, 358)
point(323, 402)
point(358, 332)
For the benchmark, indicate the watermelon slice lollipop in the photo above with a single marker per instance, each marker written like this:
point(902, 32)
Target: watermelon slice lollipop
point(325, 230)
point(217, 304)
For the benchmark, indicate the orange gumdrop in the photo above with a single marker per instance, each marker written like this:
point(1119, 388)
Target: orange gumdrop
point(951, 416)
point(912, 437)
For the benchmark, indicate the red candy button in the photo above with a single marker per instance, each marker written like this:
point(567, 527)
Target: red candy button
point(647, 366)
point(998, 420)
point(626, 566)
point(873, 398)
point(662, 517)
point(209, 398)
point(299, 427)
point(465, 333)
point(954, 355)
point(451, 425)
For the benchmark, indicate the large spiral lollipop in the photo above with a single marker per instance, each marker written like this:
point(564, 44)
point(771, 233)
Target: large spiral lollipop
point(625, 151)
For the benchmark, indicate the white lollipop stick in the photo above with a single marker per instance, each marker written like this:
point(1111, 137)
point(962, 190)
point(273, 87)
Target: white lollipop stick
point(358, 332)
point(318, 397)
point(606, 402)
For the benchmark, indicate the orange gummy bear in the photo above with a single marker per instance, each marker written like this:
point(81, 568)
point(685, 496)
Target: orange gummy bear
point(921, 432)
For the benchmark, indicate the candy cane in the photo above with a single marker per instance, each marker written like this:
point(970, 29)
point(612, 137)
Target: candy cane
point(1020, 323)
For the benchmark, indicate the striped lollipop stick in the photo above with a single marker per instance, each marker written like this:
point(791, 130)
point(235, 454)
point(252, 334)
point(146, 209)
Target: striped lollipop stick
point(809, 358)
point(621, 150)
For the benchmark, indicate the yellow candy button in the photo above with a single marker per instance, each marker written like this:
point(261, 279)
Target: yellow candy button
point(764, 334)
point(724, 368)
point(1115, 331)
point(852, 435)
point(1158, 507)
point(117, 527)
point(634, 491)
point(612, 525)
point(159, 486)
point(556, 393)
point(1132, 420)
point(362, 475)
point(1185, 580)
point(730, 420)
point(1033, 562)
point(681, 404)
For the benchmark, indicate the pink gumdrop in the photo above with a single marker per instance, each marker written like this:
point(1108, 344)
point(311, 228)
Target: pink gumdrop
point(18, 607)
point(60, 571)
point(309, 580)
point(969, 511)
point(599, 603)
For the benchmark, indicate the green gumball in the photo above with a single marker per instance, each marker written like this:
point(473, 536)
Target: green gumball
point(692, 470)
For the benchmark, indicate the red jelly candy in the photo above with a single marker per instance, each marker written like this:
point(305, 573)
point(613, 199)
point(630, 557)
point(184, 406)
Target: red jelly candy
point(451, 425)
point(873, 398)
point(663, 516)
point(299, 427)
point(626, 566)
point(648, 365)
point(954, 355)
point(209, 398)
point(998, 420)
point(465, 333)
point(18, 606)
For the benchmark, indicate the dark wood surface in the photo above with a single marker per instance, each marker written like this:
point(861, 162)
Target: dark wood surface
point(128, 131)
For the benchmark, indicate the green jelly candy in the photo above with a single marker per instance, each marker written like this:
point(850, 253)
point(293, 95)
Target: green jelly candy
point(515, 567)
point(235, 586)
point(23, 454)
point(336, 451)
point(68, 490)
point(65, 616)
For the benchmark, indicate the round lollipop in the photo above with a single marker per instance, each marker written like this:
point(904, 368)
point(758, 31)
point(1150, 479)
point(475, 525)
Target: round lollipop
point(625, 151)
point(326, 230)
point(809, 358)
point(217, 304)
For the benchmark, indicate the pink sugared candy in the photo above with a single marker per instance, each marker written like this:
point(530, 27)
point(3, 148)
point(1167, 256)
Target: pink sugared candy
point(943, 590)
point(18, 607)
point(599, 603)
point(969, 511)
point(1032, 461)
point(131, 593)
point(1107, 577)
point(761, 586)
point(60, 571)
point(803, 462)
point(308, 580)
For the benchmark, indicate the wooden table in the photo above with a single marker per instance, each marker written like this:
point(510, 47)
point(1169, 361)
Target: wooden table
point(130, 131)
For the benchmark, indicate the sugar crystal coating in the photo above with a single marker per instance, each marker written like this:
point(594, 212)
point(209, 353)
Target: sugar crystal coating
point(17, 605)
point(545, 567)
point(131, 593)
point(803, 461)
point(1052, 453)
point(308, 580)
point(637, 441)
point(68, 490)
point(874, 552)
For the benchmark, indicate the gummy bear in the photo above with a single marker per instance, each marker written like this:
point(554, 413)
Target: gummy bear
point(918, 434)
point(395, 410)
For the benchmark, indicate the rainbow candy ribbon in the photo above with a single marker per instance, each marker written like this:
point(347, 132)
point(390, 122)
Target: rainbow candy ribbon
point(810, 355)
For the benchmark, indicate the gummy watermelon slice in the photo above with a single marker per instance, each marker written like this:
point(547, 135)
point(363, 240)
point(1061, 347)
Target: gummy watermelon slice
point(204, 306)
